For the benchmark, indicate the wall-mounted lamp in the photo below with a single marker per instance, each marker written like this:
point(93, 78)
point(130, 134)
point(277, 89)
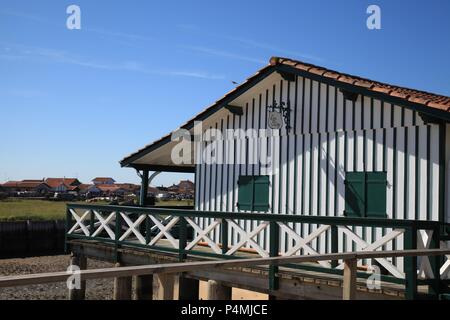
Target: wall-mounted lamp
point(276, 113)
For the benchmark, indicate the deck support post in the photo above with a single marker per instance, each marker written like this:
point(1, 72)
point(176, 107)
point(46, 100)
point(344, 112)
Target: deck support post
point(79, 261)
point(122, 287)
point(217, 291)
point(144, 188)
point(188, 289)
point(165, 284)
point(144, 287)
point(349, 287)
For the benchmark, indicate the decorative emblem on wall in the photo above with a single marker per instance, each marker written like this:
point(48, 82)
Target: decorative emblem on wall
point(275, 115)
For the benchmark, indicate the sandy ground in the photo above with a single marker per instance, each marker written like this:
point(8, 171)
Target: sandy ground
point(101, 289)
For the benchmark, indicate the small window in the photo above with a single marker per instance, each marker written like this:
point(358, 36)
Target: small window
point(253, 194)
point(365, 194)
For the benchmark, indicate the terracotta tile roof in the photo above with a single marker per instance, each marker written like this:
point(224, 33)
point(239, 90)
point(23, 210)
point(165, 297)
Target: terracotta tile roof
point(429, 99)
point(24, 184)
point(100, 179)
point(56, 182)
point(108, 187)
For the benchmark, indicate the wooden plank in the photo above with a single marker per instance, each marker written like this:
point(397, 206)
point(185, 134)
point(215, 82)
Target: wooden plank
point(165, 284)
point(217, 291)
point(122, 287)
point(12, 281)
point(349, 288)
point(80, 262)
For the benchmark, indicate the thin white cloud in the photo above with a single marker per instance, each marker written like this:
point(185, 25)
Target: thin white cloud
point(248, 43)
point(58, 56)
point(224, 54)
point(93, 30)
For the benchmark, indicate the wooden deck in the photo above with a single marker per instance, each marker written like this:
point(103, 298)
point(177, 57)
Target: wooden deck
point(293, 283)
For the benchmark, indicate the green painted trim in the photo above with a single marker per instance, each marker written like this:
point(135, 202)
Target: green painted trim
point(376, 222)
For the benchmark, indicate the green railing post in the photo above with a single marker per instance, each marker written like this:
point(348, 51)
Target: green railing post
point(410, 264)
point(334, 244)
point(274, 252)
point(224, 240)
point(435, 262)
point(148, 229)
point(68, 225)
point(117, 235)
point(182, 238)
point(91, 222)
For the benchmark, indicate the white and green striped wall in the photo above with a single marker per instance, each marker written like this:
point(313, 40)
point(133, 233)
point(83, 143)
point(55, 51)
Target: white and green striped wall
point(330, 136)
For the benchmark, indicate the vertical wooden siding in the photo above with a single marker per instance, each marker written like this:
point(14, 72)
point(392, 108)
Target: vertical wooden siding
point(329, 137)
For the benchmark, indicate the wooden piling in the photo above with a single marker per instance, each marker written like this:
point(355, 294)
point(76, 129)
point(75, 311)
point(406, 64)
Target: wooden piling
point(122, 287)
point(79, 261)
point(349, 287)
point(144, 287)
point(164, 285)
point(217, 291)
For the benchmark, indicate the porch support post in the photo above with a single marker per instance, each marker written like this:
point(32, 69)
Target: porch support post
point(122, 287)
point(217, 291)
point(144, 188)
point(188, 289)
point(165, 284)
point(349, 287)
point(144, 287)
point(79, 261)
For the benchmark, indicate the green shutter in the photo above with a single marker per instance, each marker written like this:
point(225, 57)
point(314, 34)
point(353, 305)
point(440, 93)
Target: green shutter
point(355, 194)
point(261, 193)
point(365, 194)
point(376, 194)
point(245, 193)
point(253, 194)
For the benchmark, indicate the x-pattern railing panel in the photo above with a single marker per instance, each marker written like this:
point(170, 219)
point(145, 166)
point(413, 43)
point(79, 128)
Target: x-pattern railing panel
point(164, 230)
point(79, 225)
point(133, 227)
point(363, 245)
point(247, 238)
point(303, 243)
point(203, 234)
point(104, 224)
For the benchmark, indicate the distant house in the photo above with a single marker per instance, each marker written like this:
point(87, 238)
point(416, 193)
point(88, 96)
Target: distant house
point(129, 187)
point(38, 187)
point(62, 184)
point(110, 190)
point(186, 187)
point(103, 180)
point(173, 189)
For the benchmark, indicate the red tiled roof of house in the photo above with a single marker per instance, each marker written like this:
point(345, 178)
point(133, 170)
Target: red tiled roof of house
point(416, 96)
point(108, 187)
point(23, 184)
point(56, 182)
point(100, 179)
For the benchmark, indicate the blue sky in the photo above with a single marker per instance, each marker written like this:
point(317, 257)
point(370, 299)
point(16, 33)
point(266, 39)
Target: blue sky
point(75, 102)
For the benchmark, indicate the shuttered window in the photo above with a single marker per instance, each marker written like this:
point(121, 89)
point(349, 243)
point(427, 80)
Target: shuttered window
point(365, 194)
point(253, 194)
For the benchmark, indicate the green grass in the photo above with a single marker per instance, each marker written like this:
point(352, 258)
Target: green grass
point(19, 209)
point(14, 209)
